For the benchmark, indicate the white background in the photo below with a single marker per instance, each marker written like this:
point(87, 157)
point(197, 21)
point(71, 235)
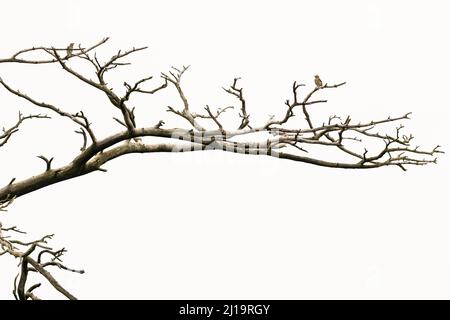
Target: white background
point(220, 225)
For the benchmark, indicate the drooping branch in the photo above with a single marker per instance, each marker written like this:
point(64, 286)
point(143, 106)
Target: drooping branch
point(79, 118)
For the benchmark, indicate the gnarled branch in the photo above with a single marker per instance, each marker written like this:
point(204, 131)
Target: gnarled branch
point(24, 251)
point(351, 138)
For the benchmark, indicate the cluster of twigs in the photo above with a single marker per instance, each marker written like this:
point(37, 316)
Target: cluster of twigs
point(44, 259)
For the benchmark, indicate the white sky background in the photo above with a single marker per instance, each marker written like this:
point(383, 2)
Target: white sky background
point(220, 225)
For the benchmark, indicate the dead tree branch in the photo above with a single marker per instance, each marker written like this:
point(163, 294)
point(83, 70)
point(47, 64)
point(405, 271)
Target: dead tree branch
point(17, 57)
point(24, 251)
point(357, 141)
point(332, 133)
point(8, 132)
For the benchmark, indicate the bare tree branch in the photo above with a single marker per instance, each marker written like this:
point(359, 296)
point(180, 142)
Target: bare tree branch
point(27, 263)
point(7, 133)
point(79, 118)
point(238, 93)
point(15, 58)
point(174, 77)
point(364, 144)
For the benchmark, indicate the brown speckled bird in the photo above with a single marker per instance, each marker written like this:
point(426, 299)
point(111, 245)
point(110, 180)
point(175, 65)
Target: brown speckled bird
point(70, 49)
point(318, 82)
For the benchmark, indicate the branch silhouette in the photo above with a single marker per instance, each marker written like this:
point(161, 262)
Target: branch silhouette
point(204, 129)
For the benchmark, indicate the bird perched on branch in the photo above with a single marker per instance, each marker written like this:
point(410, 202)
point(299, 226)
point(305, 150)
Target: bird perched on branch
point(70, 50)
point(318, 82)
